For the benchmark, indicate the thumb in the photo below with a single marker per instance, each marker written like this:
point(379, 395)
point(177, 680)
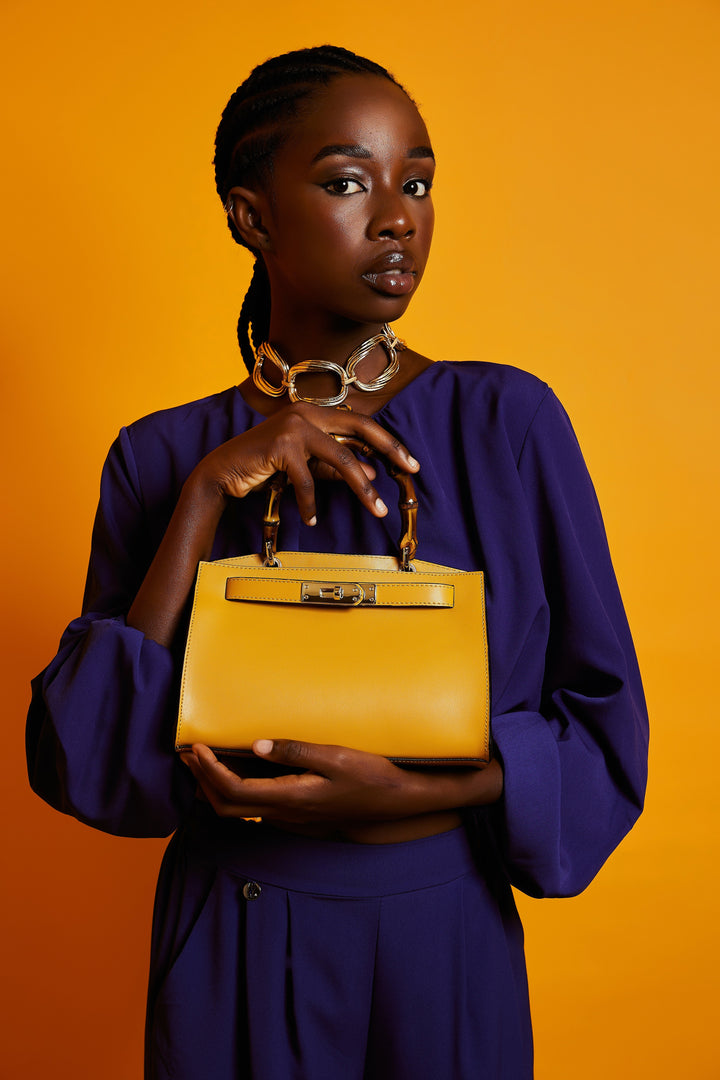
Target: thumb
point(263, 747)
point(301, 755)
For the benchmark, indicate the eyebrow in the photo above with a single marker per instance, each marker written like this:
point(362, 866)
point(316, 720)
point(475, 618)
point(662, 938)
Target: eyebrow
point(352, 150)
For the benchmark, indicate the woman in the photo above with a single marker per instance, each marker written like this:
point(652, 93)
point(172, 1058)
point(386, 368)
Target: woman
point(366, 928)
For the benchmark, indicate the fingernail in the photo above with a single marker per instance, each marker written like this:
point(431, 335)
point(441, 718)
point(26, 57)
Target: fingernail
point(380, 506)
point(413, 463)
point(186, 758)
point(312, 520)
point(263, 746)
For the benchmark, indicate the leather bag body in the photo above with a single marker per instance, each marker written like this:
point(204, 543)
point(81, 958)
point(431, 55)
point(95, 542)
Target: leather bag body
point(342, 649)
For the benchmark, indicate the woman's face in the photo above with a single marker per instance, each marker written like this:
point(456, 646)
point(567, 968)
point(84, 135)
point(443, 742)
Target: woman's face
point(349, 216)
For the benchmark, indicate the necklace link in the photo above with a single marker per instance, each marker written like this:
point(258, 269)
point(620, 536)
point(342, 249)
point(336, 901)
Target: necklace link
point(346, 376)
point(318, 365)
point(266, 352)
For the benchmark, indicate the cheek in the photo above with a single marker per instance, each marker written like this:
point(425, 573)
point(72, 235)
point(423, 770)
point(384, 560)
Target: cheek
point(328, 237)
point(425, 226)
point(344, 227)
point(428, 222)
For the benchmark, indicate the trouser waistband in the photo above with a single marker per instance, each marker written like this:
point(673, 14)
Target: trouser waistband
point(254, 850)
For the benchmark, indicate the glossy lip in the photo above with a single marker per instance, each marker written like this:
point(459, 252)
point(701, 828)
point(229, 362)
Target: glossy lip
point(392, 273)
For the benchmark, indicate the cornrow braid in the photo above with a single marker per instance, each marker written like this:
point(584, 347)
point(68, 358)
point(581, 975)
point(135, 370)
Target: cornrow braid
point(254, 124)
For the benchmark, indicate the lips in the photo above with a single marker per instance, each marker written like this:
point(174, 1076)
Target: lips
point(393, 274)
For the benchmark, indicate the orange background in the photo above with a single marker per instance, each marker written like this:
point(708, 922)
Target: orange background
point(577, 203)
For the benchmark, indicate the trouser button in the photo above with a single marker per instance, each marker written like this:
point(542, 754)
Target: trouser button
point(251, 890)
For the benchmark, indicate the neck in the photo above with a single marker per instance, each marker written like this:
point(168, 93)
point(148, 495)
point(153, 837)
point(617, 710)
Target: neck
point(303, 339)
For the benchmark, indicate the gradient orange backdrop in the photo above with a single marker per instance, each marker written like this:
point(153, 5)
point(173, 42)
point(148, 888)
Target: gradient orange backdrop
point(578, 237)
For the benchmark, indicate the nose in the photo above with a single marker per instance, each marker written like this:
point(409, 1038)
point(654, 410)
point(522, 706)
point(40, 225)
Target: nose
point(392, 216)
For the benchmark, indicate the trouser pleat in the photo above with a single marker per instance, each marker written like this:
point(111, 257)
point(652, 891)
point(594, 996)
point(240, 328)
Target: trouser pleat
point(309, 984)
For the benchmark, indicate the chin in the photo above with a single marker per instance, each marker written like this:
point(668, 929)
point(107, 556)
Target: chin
point(386, 309)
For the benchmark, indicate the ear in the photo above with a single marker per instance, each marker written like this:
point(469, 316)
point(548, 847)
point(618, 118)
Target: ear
point(245, 208)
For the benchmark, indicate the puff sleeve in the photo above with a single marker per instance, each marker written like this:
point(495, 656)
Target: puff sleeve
point(574, 753)
point(100, 726)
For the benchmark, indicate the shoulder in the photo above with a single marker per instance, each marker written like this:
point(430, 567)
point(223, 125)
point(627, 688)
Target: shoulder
point(192, 429)
point(502, 384)
point(163, 448)
point(187, 419)
point(491, 397)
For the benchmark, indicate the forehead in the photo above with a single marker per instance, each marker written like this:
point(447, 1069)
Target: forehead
point(363, 110)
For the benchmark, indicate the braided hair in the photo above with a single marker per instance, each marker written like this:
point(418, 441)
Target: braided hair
point(255, 122)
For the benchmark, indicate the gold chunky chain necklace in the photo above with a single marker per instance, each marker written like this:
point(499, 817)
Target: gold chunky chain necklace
point(346, 375)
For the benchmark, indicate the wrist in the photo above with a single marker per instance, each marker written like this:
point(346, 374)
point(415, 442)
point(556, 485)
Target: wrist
point(202, 494)
point(484, 786)
point(453, 790)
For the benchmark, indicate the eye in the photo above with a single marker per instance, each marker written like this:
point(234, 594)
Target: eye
point(418, 188)
point(344, 185)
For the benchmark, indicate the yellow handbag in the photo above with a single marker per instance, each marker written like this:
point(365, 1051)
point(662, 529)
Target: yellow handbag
point(377, 653)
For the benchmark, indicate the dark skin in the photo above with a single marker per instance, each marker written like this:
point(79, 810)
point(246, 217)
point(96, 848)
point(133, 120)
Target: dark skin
point(349, 199)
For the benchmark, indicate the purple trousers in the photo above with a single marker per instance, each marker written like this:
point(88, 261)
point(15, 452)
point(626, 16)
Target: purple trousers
point(279, 957)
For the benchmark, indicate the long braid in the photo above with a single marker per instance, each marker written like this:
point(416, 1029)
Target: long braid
point(254, 124)
point(254, 322)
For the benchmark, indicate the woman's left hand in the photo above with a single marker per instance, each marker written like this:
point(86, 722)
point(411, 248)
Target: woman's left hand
point(340, 785)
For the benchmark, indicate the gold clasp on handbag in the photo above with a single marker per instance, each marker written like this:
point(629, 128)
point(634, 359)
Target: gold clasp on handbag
point(347, 593)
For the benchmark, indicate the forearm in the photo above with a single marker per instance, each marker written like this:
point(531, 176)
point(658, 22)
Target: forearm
point(189, 537)
point(455, 789)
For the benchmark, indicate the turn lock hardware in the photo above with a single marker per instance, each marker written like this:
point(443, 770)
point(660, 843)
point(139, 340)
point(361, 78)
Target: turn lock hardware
point(338, 593)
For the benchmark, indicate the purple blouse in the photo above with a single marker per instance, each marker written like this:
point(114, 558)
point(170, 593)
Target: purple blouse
point(502, 487)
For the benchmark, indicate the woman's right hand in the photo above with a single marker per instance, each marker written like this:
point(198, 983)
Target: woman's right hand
point(295, 438)
point(290, 441)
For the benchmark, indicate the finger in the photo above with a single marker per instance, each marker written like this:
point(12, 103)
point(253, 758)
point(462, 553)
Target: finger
point(205, 786)
point(210, 769)
point(361, 427)
point(368, 431)
point(320, 758)
point(322, 471)
point(249, 796)
point(202, 770)
point(223, 802)
point(349, 468)
point(343, 461)
point(301, 478)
